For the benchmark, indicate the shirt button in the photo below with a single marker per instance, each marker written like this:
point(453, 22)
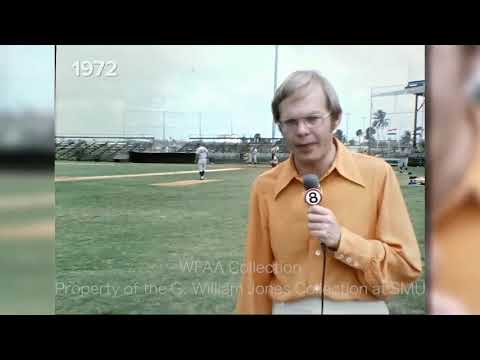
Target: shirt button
point(318, 252)
point(348, 260)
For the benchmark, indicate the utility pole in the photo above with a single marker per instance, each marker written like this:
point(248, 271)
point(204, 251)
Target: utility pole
point(275, 86)
point(123, 122)
point(163, 116)
point(347, 117)
point(415, 124)
point(370, 117)
point(200, 124)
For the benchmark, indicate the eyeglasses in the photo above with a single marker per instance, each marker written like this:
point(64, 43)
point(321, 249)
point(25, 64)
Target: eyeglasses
point(310, 122)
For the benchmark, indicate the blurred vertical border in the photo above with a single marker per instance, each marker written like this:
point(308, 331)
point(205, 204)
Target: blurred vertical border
point(27, 191)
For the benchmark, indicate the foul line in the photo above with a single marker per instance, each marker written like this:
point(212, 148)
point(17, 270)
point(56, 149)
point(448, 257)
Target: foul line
point(81, 178)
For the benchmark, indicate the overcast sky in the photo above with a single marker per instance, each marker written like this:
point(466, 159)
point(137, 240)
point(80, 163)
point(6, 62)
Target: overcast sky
point(27, 78)
point(225, 88)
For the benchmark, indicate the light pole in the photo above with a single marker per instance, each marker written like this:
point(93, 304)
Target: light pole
point(123, 122)
point(275, 86)
point(200, 124)
point(370, 118)
point(415, 124)
point(364, 129)
point(347, 115)
point(163, 118)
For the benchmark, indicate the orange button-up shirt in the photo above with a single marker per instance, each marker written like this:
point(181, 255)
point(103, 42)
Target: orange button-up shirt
point(378, 253)
point(455, 241)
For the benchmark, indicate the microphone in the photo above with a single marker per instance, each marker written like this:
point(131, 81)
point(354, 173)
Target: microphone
point(313, 193)
point(310, 181)
point(313, 196)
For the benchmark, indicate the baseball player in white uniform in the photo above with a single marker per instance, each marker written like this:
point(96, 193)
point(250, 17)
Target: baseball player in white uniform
point(201, 158)
point(254, 155)
point(275, 150)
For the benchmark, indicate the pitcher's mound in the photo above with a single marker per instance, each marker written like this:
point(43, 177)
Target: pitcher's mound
point(185, 182)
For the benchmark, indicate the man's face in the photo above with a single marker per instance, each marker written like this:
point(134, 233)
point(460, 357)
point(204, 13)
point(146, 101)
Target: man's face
point(307, 106)
point(447, 100)
point(452, 120)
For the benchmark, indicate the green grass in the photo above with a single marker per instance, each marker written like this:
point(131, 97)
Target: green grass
point(413, 302)
point(133, 241)
point(82, 168)
point(27, 264)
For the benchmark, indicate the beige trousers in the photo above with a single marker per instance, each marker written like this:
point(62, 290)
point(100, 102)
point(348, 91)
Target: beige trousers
point(313, 306)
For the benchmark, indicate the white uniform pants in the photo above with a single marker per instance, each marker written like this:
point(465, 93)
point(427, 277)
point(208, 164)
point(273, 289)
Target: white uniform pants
point(202, 165)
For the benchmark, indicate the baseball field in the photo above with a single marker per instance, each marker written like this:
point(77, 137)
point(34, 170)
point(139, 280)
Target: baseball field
point(151, 239)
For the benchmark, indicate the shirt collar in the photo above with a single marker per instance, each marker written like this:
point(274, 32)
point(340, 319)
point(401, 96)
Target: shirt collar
point(344, 163)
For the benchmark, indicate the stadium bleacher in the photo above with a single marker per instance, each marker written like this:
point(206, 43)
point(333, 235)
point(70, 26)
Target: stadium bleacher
point(98, 148)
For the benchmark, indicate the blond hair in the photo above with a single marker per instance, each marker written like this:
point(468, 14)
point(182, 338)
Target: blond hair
point(302, 79)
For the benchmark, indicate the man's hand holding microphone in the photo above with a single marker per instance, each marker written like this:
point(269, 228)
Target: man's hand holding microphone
point(322, 222)
point(323, 226)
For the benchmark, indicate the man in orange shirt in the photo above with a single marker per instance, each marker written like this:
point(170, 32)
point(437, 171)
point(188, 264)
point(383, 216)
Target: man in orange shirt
point(370, 250)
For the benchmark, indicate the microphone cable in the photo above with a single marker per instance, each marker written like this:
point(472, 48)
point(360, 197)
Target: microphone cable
point(324, 249)
point(313, 196)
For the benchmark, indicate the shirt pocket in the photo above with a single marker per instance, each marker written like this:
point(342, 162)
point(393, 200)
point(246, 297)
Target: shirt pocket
point(289, 233)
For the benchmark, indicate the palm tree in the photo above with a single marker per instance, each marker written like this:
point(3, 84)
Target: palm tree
point(421, 145)
point(369, 133)
point(419, 132)
point(369, 136)
point(381, 120)
point(359, 134)
point(406, 138)
point(339, 135)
